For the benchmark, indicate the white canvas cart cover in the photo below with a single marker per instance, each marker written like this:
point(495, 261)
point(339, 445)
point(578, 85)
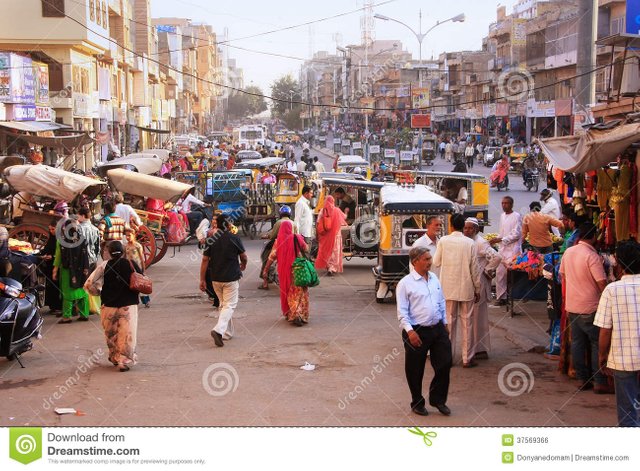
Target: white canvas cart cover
point(55, 183)
point(148, 186)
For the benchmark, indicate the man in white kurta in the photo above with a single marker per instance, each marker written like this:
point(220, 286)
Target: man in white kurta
point(550, 206)
point(488, 261)
point(304, 215)
point(510, 240)
point(460, 280)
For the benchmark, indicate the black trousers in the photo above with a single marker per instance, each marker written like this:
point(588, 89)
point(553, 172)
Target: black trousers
point(435, 341)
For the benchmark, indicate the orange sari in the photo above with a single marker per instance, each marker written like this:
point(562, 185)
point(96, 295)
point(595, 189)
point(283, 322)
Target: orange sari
point(329, 231)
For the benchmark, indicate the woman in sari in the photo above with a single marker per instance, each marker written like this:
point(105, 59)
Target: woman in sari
point(501, 171)
point(177, 223)
point(294, 300)
point(329, 232)
point(119, 312)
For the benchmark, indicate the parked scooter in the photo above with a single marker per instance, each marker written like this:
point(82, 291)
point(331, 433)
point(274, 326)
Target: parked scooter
point(20, 321)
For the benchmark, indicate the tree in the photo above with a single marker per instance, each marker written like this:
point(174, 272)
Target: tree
point(242, 104)
point(281, 91)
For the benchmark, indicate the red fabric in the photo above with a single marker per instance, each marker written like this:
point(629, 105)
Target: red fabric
point(327, 240)
point(286, 255)
point(501, 171)
point(155, 205)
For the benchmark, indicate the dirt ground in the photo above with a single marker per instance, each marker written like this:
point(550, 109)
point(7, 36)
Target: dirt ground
point(182, 379)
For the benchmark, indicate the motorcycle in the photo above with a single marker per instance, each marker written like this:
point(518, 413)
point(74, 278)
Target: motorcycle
point(500, 184)
point(532, 179)
point(20, 321)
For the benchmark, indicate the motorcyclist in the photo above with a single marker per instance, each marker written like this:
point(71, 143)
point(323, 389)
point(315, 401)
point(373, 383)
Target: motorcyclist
point(528, 165)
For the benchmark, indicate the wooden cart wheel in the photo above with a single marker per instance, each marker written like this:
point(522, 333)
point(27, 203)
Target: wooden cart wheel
point(145, 237)
point(161, 248)
point(36, 235)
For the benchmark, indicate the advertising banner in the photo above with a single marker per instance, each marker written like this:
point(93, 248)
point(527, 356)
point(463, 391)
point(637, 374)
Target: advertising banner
point(17, 83)
point(41, 78)
point(420, 121)
point(420, 98)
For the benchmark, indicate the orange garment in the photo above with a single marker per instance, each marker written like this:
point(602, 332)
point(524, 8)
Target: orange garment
point(329, 227)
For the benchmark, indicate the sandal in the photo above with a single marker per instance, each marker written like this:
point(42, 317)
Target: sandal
point(65, 321)
point(123, 368)
point(263, 287)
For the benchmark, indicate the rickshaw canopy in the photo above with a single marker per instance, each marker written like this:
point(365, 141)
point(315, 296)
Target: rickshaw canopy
point(10, 160)
point(161, 153)
point(266, 162)
point(142, 163)
point(148, 186)
point(54, 183)
point(352, 161)
point(413, 199)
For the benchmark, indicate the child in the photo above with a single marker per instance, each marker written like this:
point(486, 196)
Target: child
point(133, 251)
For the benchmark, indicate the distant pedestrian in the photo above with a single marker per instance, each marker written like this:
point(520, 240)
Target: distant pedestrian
point(225, 257)
point(320, 168)
point(510, 240)
point(618, 317)
point(422, 316)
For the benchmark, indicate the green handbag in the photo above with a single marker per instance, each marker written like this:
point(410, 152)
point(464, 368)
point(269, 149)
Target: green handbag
point(304, 273)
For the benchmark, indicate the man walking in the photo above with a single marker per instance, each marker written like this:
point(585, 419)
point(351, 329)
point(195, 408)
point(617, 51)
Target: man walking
point(469, 153)
point(584, 279)
point(226, 259)
point(460, 279)
point(618, 317)
point(510, 240)
point(421, 312)
point(304, 215)
point(488, 261)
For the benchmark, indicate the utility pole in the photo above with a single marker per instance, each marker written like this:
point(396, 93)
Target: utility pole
point(585, 92)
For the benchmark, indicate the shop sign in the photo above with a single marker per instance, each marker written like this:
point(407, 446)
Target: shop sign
point(43, 113)
point(24, 112)
point(356, 145)
point(420, 121)
point(374, 149)
point(337, 141)
point(17, 82)
point(346, 142)
point(41, 78)
point(390, 153)
point(406, 155)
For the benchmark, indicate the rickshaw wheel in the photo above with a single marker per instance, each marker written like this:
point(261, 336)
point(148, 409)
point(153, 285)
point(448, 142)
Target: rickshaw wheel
point(161, 248)
point(36, 235)
point(253, 231)
point(145, 237)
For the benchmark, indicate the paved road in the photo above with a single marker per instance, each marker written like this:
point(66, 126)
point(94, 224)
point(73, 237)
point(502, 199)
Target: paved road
point(183, 379)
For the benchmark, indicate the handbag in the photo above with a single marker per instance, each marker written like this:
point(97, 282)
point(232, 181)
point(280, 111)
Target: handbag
point(138, 282)
point(304, 273)
point(324, 224)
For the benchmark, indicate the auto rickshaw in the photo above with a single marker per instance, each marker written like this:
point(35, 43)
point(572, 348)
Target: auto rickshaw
point(403, 213)
point(359, 239)
point(348, 163)
point(429, 146)
point(289, 188)
point(477, 190)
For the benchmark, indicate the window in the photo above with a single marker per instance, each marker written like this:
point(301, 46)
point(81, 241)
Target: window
point(92, 10)
point(617, 25)
point(53, 8)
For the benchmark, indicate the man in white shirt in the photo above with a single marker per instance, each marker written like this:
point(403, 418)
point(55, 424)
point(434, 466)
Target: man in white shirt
point(510, 240)
point(320, 168)
point(430, 239)
point(194, 218)
point(422, 316)
point(292, 166)
point(126, 212)
point(550, 206)
point(302, 165)
point(304, 215)
point(460, 279)
point(488, 261)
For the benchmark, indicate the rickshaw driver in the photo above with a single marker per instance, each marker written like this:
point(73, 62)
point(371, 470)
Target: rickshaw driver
point(346, 204)
point(456, 191)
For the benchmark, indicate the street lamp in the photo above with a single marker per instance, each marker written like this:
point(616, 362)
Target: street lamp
point(420, 37)
point(291, 93)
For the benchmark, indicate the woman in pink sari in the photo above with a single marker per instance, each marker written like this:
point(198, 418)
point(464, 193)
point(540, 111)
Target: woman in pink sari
point(501, 171)
point(294, 300)
point(329, 232)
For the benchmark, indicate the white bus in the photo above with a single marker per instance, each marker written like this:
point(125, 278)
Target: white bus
point(249, 137)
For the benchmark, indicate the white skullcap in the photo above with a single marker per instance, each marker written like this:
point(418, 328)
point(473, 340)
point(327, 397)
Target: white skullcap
point(472, 221)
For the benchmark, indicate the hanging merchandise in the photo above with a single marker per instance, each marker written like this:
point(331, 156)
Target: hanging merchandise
point(620, 200)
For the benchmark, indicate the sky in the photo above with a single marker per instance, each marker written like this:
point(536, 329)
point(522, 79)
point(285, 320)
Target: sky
point(248, 17)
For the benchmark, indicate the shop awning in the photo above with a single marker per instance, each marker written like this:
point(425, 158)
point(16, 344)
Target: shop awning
point(159, 131)
point(33, 126)
point(597, 147)
point(69, 143)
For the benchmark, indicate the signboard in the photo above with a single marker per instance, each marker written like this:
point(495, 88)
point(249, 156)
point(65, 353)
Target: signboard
point(519, 32)
point(374, 149)
point(420, 121)
point(346, 142)
point(337, 141)
point(41, 79)
point(166, 29)
point(633, 18)
point(81, 105)
point(24, 112)
point(406, 155)
point(390, 153)
point(43, 113)
point(17, 83)
point(356, 145)
point(420, 98)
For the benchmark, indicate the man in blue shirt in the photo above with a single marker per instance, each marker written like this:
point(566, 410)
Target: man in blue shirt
point(422, 316)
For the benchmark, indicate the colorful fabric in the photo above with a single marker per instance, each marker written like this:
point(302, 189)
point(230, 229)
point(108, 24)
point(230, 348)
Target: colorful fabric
point(284, 253)
point(298, 300)
point(120, 325)
point(70, 296)
point(111, 228)
point(330, 223)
